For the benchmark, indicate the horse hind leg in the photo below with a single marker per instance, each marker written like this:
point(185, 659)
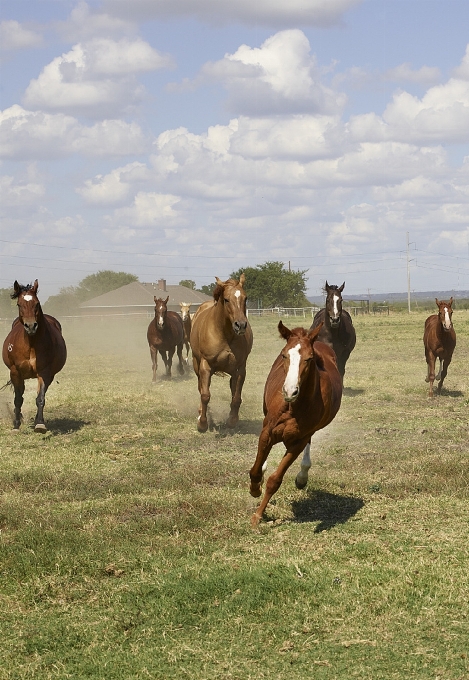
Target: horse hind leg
point(444, 372)
point(302, 477)
point(438, 375)
point(18, 402)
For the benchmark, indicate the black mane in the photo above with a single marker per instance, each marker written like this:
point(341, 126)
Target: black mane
point(21, 289)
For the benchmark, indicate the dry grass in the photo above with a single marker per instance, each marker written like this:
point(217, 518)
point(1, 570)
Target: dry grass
point(125, 542)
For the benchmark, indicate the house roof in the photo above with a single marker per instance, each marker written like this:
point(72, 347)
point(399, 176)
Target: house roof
point(138, 294)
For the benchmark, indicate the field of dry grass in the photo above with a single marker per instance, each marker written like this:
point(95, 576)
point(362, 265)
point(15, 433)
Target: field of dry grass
point(126, 549)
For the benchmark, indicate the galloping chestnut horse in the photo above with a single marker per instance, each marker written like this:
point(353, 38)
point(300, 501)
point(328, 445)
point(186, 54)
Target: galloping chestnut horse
point(337, 328)
point(221, 339)
point(187, 323)
point(165, 335)
point(301, 396)
point(34, 348)
point(439, 339)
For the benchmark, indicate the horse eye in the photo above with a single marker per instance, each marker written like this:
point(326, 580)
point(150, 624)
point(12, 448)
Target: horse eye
point(226, 300)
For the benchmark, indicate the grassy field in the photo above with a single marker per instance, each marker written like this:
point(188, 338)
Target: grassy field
point(126, 548)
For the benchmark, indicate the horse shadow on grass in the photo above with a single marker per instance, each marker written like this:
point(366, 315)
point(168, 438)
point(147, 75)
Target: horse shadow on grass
point(65, 425)
point(326, 508)
point(451, 393)
point(352, 391)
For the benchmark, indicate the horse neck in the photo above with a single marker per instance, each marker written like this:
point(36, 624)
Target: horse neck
point(223, 322)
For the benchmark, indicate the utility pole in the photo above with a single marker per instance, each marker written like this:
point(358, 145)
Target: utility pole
point(408, 273)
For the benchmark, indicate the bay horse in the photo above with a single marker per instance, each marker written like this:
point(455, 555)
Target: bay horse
point(302, 395)
point(34, 348)
point(165, 335)
point(439, 339)
point(221, 340)
point(187, 323)
point(337, 328)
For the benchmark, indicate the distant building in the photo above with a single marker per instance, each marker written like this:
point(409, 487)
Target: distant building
point(139, 298)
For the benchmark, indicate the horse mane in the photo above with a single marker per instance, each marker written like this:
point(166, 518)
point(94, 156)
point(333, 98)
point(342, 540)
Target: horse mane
point(21, 289)
point(331, 287)
point(218, 290)
point(300, 332)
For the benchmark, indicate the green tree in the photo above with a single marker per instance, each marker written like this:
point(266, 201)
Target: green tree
point(187, 283)
point(102, 282)
point(69, 299)
point(271, 285)
point(208, 290)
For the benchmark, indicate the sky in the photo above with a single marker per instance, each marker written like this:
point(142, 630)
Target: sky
point(188, 139)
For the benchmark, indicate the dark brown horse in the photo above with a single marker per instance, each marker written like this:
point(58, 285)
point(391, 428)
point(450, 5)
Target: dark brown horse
point(301, 396)
point(221, 340)
point(165, 335)
point(337, 328)
point(34, 348)
point(187, 323)
point(439, 339)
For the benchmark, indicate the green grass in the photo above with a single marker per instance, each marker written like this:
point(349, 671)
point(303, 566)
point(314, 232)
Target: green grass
point(125, 544)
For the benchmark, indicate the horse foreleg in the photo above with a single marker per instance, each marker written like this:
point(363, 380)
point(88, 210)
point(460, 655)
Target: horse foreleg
point(443, 372)
point(256, 473)
point(154, 362)
point(236, 386)
point(39, 425)
point(18, 384)
point(180, 364)
point(276, 479)
point(302, 477)
point(430, 373)
point(205, 376)
point(169, 362)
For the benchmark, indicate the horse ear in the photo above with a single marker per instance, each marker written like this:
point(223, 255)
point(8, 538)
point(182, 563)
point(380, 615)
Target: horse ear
point(16, 287)
point(242, 279)
point(327, 285)
point(219, 281)
point(35, 286)
point(166, 301)
point(155, 298)
point(284, 331)
point(342, 287)
point(451, 301)
point(314, 332)
point(437, 302)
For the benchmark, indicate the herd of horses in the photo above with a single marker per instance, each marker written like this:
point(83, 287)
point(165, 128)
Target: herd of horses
point(303, 390)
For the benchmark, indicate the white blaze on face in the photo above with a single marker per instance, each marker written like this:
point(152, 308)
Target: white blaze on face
point(291, 381)
point(28, 298)
point(237, 296)
point(335, 299)
point(447, 319)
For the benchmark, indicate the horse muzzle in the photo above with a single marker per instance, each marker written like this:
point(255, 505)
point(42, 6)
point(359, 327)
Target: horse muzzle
point(291, 396)
point(239, 327)
point(30, 327)
point(335, 321)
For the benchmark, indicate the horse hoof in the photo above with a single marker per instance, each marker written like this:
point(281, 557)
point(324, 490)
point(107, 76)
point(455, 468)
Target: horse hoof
point(255, 519)
point(15, 430)
point(202, 426)
point(232, 422)
point(300, 485)
point(255, 492)
point(40, 427)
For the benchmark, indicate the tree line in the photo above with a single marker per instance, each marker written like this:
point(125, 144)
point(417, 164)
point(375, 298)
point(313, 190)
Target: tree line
point(267, 285)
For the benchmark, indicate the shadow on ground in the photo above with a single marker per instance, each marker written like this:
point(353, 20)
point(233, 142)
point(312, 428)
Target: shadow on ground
point(65, 425)
point(352, 392)
point(326, 508)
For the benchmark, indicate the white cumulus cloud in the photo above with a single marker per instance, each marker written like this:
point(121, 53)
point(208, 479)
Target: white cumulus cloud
point(279, 77)
point(15, 36)
point(96, 78)
point(26, 135)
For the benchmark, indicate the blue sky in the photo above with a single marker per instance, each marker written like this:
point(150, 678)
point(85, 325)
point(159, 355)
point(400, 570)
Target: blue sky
point(189, 138)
